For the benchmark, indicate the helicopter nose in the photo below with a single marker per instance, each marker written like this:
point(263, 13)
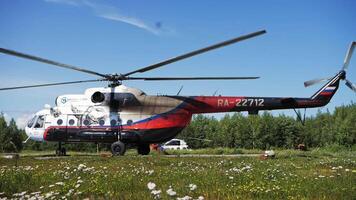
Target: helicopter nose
point(28, 131)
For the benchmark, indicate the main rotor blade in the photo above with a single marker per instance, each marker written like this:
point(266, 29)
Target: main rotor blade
point(350, 85)
point(188, 78)
point(196, 52)
point(314, 81)
point(348, 55)
point(51, 84)
point(43, 60)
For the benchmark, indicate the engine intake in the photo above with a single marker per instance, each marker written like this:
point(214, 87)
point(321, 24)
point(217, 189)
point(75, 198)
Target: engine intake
point(97, 97)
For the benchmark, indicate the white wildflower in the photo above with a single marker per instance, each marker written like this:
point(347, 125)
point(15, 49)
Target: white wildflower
point(22, 193)
point(81, 166)
point(70, 193)
point(156, 192)
point(246, 168)
point(35, 193)
point(171, 192)
point(151, 185)
point(192, 187)
point(200, 198)
point(76, 186)
point(59, 183)
point(49, 194)
point(80, 181)
point(185, 198)
point(51, 186)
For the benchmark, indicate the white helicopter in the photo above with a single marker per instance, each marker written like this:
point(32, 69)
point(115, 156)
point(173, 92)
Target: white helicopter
point(121, 115)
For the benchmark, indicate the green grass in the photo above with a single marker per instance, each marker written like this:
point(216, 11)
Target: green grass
point(215, 151)
point(291, 175)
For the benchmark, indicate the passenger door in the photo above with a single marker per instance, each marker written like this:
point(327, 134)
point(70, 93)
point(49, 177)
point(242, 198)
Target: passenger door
point(38, 127)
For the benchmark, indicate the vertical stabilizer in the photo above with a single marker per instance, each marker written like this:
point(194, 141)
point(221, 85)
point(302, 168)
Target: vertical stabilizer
point(329, 89)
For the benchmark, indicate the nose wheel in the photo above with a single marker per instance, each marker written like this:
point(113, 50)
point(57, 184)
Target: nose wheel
point(118, 148)
point(61, 151)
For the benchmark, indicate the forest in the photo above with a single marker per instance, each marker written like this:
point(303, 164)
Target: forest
point(263, 131)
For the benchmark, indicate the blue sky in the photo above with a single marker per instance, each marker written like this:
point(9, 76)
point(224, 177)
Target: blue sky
point(304, 40)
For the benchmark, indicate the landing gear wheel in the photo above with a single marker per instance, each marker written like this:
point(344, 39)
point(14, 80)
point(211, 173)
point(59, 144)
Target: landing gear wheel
point(60, 151)
point(143, 149)
point(118, 148)
point(63, 151)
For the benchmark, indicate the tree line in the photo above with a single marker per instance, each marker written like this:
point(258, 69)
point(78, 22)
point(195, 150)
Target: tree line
point(262, 131)
point(266, 131)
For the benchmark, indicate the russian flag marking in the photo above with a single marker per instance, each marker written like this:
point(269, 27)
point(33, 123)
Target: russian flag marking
point(329, 89)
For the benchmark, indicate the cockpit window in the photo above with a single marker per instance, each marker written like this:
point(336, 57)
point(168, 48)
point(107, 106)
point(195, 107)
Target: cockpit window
point(30, 123)
point(39, 122)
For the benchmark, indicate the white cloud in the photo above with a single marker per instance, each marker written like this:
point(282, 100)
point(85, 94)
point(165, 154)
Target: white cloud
point(22, 120)
point(111, 13)
point(7, 118)
point(132, 21)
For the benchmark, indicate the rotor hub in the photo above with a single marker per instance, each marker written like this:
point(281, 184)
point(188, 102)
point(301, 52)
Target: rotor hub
point(342, 74)
point(115, 79)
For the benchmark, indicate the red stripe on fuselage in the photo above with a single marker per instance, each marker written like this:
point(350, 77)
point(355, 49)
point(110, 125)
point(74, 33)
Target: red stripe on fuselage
point(178, 118)
point(326, 93)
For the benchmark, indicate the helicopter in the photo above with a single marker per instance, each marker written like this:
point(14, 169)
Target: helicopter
point(123, 116)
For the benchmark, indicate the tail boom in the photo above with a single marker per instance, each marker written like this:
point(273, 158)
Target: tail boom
point(216, 104)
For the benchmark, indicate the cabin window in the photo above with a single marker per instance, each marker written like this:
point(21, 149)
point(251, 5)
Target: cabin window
point(60, 122)
point(39, 122)
point(102, 122)
point(113, 122)
point(129, 122)
point(71, 122)
point(86, 122)
point(30, 123)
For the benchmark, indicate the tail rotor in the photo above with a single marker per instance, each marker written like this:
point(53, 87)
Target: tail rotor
point(351, 85)
point(348, 56)
point(345, 66)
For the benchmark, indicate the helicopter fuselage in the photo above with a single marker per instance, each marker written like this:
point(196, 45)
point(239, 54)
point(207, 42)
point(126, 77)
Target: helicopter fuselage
point(106, 115)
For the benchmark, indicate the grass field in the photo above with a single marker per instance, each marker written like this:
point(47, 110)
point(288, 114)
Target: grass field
point(291, 175)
